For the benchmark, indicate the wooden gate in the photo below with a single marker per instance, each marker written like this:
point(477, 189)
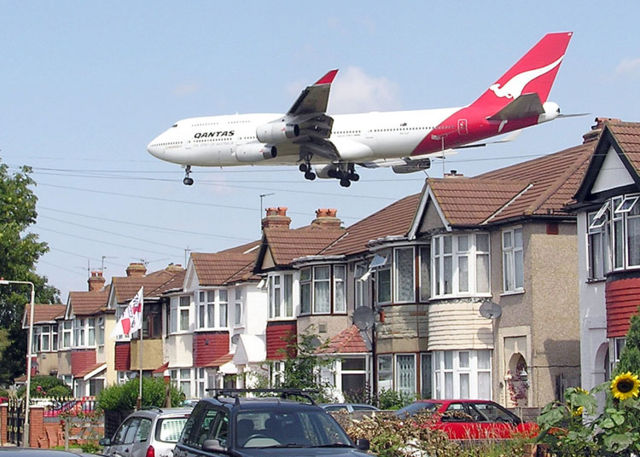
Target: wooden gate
point(15, 420)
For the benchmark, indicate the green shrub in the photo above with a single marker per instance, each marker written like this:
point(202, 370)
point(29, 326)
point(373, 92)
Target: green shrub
point(41, 387)
point(391, 399)
point(124, 396)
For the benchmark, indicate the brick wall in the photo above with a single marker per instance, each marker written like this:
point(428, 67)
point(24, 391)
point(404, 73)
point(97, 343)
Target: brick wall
point(3, 423)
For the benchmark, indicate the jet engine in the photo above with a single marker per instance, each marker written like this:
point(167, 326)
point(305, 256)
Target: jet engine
point(253, 152)
point(277, 132)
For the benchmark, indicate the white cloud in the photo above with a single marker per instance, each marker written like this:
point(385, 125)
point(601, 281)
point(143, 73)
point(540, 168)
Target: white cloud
point(354, 91)
point(630, 67)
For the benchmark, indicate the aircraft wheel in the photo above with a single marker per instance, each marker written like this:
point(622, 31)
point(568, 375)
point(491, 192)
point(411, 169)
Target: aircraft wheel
point(344, 182)
point(354, 177)
point(187, 181)
point(303, 167)
point(310, 175)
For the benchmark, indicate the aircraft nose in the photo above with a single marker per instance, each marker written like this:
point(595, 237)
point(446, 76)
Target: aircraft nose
point(155, 149)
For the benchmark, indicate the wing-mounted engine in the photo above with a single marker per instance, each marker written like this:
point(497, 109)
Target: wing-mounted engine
point(253, 152)
point(277, 132)
point(411, 166)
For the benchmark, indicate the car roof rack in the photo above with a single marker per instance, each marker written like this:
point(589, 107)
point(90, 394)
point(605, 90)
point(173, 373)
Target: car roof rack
point(148, 408)
point(282, 393)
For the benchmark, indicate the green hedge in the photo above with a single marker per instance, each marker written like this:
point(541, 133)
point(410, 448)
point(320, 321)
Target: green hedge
point(124, 396)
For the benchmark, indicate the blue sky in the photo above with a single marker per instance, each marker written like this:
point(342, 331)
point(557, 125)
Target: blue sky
point(86, 85)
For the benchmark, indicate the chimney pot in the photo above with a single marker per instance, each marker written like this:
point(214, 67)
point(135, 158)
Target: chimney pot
point(326, 217)
point(136, 269)
point(96, 281)
point(276, 217)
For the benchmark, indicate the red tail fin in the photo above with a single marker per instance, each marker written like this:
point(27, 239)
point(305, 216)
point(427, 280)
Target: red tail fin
point(533, 73)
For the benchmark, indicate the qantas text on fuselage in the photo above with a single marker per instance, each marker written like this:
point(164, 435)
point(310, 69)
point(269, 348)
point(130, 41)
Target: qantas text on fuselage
point(329, 146)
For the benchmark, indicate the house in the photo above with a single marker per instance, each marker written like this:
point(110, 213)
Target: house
point(214, 335)
point(134, 355)
point(45, 337)
point(608, 216)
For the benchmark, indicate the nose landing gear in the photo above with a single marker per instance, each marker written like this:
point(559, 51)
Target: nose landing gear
point(187, 181)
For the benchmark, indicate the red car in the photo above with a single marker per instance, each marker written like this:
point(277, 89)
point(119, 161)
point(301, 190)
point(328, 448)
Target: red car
point(471, 419)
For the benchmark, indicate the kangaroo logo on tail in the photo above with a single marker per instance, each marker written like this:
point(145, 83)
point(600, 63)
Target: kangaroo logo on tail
point(514, 87)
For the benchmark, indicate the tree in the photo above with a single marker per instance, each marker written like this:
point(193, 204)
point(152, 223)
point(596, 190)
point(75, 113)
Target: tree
point(630, 357)
point(19, 252)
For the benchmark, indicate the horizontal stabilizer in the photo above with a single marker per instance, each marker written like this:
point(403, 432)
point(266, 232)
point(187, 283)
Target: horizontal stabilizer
point(526, 105)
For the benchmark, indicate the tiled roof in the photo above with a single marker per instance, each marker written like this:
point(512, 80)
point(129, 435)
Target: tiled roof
point(88, 370)
point(156, 283)
point(161, 368)
point(552, 181)
point(286, 245)
point(88, 303)
point(395, 219)
point(627, 135)
point(227, 266)
point(348, 341)
point(44, 313)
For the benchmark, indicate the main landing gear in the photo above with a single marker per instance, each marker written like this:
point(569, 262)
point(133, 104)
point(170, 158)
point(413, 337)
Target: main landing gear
point(306, 169)
point(345, 176)
point(187, 181)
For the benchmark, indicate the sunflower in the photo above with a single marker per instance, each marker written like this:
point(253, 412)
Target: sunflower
point(625, 385)
point(578, 411)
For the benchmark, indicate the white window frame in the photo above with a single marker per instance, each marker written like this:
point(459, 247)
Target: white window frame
point(280, 293)
point(66, 330)
point(411, 298)
point(385, 376)
point(408, 390)
point(360, 287)
point(385, 271)
point(238, 312)
point(510, 261)
point(626, 211)
point(457, 370)
point(597, 249)
point(449, 252)
point(223, 308)
point(181, 377)
point(318, 285)
point(179, 306)
point(424, 277)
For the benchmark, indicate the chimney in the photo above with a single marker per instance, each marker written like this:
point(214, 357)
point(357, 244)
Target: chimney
point(96, 281)
point(276, 218)
point(326, 217)
point(174, 268)
point(453, 174)
point(136, 269)
point(596, 130)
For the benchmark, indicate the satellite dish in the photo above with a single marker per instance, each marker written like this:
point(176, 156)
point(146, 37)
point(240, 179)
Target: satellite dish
point(235, 338)
point(490, 310)
point(363, 318)
point(315, 342)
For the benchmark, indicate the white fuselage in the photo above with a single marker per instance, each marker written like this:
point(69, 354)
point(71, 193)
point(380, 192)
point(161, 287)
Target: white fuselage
point(216, 140)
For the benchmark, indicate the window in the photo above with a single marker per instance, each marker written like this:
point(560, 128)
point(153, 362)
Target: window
point(46, 338)
point(280, 295)
point(91, 331)
point(597, 244)
point(339, 293)
point(66, 328)
point(383, 283)
point(181, 378)
point(78, 332)
point(100, 332)
point(385, 372)
point(462, 374)
point(406, 373)
point(404, 275)
point(201, 382)
point(353, 375)
point(425, 274)
point(360, 286)
point(321, 290)
point(460, 264)
point(237, 315)
point(426, 375)
point(512, 260)
point(305, 291)
point(277, 373)
point(223, 305)
point(183, 313)
point(54, 337)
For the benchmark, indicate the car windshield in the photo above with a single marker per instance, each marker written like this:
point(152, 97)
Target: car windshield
point(417, 407)
point(303, 428)
point(168, 430)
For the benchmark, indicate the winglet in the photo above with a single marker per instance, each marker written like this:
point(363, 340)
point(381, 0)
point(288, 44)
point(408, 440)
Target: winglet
point(328, 78)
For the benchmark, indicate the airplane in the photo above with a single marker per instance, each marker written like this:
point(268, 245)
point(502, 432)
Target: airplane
point(327, 146)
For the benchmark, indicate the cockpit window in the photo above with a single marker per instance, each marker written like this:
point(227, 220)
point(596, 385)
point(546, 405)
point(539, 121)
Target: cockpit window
point(174, 125)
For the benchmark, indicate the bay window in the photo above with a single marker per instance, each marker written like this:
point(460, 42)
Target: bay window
point(460, 264)
point(360, 289)
point(383, 283)
point(78, 332)
point(322, 290)
point(180, 313)
point(66, 328)
point(462, 374)
point(597, 237)
point(425, 273)
point(322, 287)
point(237, 315)
point(212, 303)
point(280, 295)
point(223, 307)
point(512, 260)
point(84, 332)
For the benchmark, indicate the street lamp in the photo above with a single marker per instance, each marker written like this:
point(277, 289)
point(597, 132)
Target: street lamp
point(25, 439)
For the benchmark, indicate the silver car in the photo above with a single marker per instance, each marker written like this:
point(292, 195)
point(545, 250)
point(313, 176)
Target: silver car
point(147, 433)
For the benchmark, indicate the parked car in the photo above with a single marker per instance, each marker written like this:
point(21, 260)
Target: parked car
point(264, 426)
point(471, 419)
point(348, 407)
point(147, 433)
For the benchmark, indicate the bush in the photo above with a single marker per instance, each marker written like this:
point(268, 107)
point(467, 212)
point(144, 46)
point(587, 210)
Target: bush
point(41, 386)
point(391, 399)
point(124, 396)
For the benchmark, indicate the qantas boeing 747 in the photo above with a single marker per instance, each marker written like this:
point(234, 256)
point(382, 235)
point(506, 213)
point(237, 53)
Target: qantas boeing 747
point(331, 146)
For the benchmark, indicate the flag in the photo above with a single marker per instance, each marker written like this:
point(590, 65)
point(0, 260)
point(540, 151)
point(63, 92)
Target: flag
point(131, 319)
